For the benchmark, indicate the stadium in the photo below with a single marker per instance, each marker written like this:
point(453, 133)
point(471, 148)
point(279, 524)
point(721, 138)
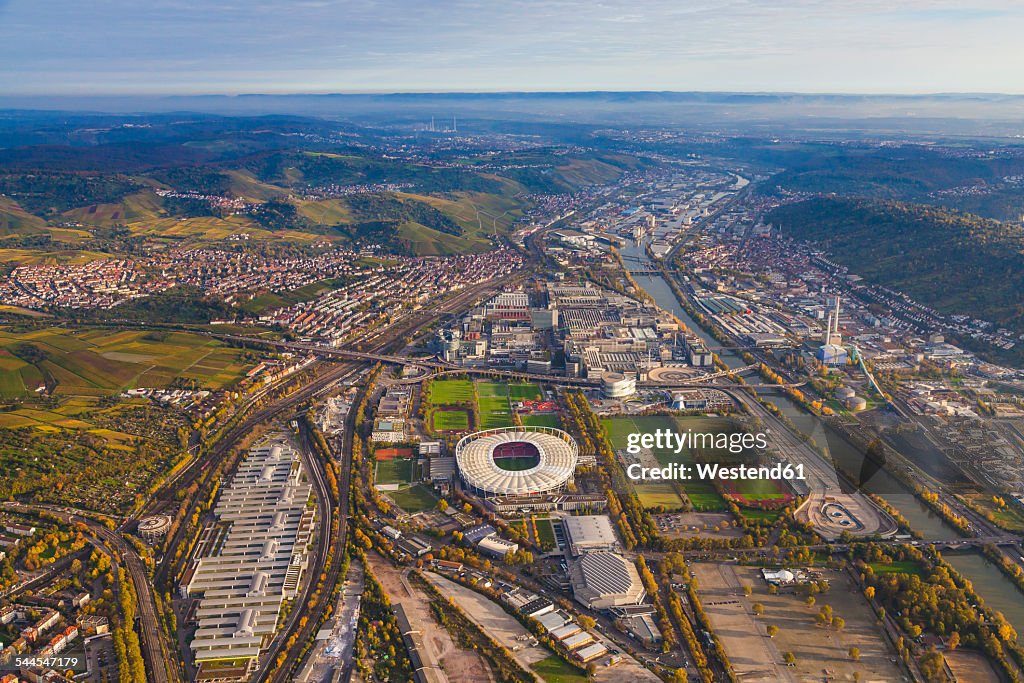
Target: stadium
point(516, 460)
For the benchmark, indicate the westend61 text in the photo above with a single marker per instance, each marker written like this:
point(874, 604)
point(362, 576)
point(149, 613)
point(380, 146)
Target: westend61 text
point(708, 471)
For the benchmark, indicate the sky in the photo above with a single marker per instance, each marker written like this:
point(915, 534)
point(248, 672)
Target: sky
point(101, 47)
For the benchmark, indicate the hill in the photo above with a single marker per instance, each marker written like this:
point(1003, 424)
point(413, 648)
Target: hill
point(954, 262)
point(14, 220)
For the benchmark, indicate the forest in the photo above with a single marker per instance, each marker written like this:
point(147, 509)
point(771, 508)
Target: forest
point(957, 263)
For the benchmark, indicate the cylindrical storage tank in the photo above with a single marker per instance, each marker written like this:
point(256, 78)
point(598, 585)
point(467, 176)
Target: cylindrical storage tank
point(856, 403)
point(844, 393)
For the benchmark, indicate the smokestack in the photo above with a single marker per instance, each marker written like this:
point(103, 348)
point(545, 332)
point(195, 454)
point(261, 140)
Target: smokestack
point(837, 315)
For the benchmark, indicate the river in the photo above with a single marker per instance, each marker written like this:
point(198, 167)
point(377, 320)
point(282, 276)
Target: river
point(989, 582)
point(843, 452)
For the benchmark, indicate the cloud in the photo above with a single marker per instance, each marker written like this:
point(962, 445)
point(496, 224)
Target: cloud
point(452, 44)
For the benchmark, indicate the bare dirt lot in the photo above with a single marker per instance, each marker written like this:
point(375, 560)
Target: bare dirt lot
point(507, 630)
point(820, 651)
point(971, 666)
point(690, 524)
point(457, 664)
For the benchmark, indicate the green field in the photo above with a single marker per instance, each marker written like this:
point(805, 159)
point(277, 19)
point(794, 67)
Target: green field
point(524, 392)
point(764, 515)
point(703, 495)
point(493, 404)
point(450, 392)
point(449, 420)
point(415, 498)
point(545, 534)
point(541, 421)
point(101, 362)
point(397, 471)
point(899, 567)
point(554, 669)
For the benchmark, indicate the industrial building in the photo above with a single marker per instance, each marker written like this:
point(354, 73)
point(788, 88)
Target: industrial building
point(263, 529)
point(152, 529)
point(602, 580)
point(590, 533)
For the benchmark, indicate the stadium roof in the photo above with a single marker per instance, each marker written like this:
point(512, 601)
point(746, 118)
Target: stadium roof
point(557, 455)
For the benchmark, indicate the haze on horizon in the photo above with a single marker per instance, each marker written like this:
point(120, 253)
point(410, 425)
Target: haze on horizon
point(116, 47)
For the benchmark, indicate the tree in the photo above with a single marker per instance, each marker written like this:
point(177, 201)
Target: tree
point(747, 589)
point(854, 653)
point(789, 658)
point(810, 601)
point(773, 630)
point(954, 641)
point(838, 623)
point(933, 665)
point(758, 608)
point(586, 621)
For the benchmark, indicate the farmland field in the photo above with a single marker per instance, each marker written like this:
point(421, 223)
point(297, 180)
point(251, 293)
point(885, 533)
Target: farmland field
point(101, 362)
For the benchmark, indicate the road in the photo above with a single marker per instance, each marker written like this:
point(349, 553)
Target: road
point(154, 647)
point(327, 513)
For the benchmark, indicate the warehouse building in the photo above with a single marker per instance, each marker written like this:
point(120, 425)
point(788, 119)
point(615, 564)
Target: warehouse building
point(590, 533)
point(243, 579)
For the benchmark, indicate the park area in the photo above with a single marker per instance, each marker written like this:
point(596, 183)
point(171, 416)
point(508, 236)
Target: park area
point(816, 648)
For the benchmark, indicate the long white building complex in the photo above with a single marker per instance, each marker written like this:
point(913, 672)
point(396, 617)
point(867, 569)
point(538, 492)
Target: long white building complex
point(254, 559)
point(517, 460)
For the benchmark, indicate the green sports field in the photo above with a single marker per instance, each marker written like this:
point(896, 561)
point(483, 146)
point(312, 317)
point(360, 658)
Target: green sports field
point(450, 392)
point(415, 498)
point(493, 404)
point(397, 471)
point(703, 495)
point(540, 421)
point(524, 392)
point(449, 420)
